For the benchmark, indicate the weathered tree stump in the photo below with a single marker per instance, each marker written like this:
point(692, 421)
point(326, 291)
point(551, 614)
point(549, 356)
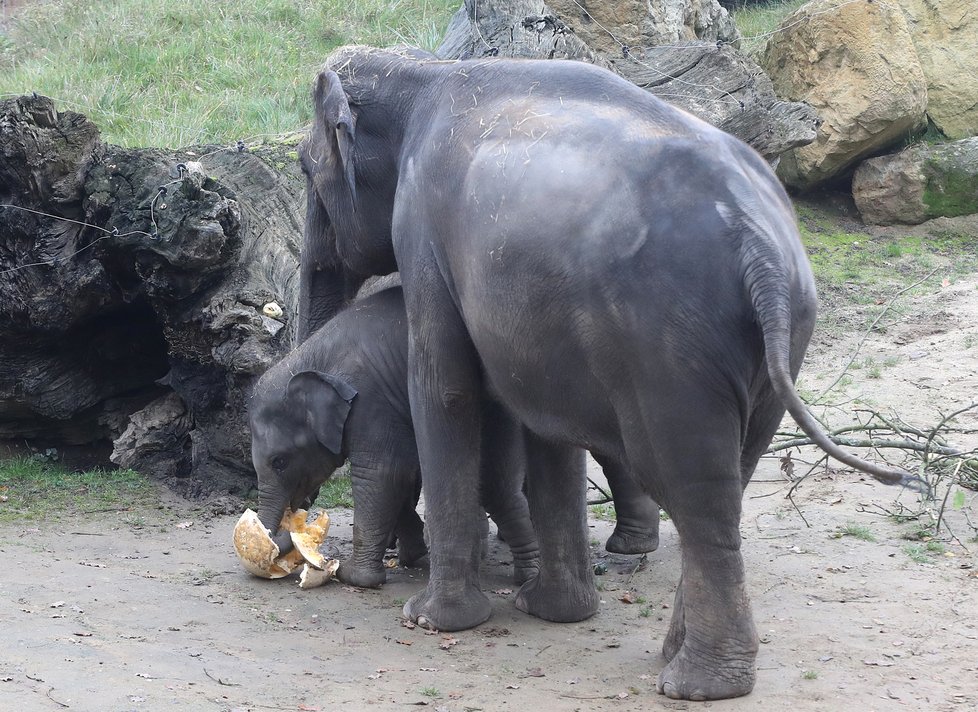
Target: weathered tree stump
point(133, 278)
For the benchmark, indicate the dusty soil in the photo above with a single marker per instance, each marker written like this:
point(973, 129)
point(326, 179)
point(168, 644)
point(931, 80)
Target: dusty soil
point(150, 610)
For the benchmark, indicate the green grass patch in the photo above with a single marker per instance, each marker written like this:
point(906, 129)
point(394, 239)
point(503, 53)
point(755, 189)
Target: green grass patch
point(857, 531)
point(916, 552)
point(33, 490)
point(603, 511)
point(865, 269)
point(179, 73)
point(337, 492)
point(757, 22)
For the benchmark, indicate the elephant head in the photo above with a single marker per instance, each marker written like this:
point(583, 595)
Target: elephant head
point(349, 158)
point(296, 442)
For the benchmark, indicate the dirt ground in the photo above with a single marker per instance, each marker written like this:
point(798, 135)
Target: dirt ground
point(150, 610)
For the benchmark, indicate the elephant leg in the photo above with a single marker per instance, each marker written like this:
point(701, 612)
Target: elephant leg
point(378, 502)
point(564, 589)
point(712, 617)
point(712, 642)
point(411, 549)
point(503, 475)
point(762, 426)
point(636, 513)
point(446, 392)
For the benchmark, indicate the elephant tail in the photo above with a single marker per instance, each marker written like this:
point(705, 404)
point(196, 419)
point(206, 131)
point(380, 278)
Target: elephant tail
point(769, 271)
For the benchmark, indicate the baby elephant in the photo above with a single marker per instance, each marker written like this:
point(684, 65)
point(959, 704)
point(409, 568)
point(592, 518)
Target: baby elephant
point(342, 395)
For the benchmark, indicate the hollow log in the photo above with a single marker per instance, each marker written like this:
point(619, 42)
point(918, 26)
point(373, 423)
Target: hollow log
point(132, 289)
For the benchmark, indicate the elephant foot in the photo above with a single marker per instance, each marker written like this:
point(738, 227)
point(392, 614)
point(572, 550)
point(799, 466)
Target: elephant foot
point(561, 599)
point(438, 608)
point(413, 561)
point(632, 541)
point(412, 553)
point(706, 677)
point(524, 571)
point(362, 576)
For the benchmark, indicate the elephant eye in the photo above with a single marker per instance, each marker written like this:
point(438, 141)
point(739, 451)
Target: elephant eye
point(280, 462)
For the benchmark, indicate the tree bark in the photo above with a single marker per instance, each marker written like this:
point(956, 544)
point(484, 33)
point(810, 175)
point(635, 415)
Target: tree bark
point(131, 278)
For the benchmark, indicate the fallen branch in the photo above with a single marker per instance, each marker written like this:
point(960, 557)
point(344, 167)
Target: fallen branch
point(872, 443)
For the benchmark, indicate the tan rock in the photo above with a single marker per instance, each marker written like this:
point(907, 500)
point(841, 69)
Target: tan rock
point(945, 33)
point(855, 64)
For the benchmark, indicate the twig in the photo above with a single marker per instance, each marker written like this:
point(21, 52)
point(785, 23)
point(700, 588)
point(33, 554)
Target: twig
point(220, 681)
point(641, 562)
point(940, 512)
point(604, 493)
point(872, 443)
point(791, 490)
point(57, 702)
point(933, 433)
point(872, 326)
point(792, 500)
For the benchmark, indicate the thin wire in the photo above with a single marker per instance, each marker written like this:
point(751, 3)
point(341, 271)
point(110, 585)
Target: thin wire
point(114, 232)
point(52, 262)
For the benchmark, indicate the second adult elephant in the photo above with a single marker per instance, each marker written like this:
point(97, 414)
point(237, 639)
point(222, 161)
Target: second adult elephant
point(622, 276)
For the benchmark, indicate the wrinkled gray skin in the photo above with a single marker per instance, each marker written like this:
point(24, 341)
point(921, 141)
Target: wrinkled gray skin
point(342, 395)
point(620, 275)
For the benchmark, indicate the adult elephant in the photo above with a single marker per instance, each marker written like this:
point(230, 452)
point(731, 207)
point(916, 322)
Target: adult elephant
point(624, 277)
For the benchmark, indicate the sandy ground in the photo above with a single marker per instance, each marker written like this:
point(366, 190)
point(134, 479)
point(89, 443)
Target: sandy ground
point(150, 610)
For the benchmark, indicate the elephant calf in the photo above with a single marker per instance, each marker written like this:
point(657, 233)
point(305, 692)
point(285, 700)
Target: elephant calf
point(342, 395)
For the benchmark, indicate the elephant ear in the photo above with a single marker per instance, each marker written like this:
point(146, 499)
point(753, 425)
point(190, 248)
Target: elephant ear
point(326, 401)
point(332, 102)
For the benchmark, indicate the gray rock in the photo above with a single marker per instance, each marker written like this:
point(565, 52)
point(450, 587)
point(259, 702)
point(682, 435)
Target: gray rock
point(918, 184)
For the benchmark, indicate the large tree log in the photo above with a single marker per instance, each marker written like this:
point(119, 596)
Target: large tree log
point(131, 277)
point(684, 51)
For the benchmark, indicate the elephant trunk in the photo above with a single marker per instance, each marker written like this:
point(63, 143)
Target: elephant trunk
point(271, 508)
point(325, 286)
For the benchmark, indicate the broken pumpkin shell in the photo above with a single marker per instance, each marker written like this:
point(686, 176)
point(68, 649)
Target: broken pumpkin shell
point(312, 577)
point(260, 555)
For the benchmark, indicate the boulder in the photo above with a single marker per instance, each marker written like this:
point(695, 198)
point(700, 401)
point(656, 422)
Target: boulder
point(945, 33)
point(919, 183)
point(855, 64)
